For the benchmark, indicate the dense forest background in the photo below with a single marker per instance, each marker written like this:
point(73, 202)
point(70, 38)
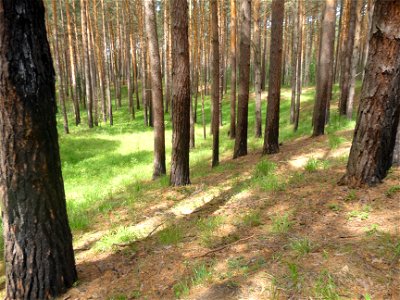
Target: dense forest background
point(228, 149)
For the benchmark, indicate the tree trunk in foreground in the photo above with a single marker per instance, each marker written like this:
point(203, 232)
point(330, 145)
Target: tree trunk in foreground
point(156, 91)
point(324, 71)
point(38, 242)
point(244, 80)
point(215, 83)
point(378, 116)
point(271, 136)
point(181, 94)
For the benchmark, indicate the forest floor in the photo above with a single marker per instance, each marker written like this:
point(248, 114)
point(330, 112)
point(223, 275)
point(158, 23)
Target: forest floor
point(257, 227)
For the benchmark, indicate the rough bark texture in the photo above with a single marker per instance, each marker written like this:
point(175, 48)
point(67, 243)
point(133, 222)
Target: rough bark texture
point(257, 65)
point(181, 94)
point(215, 82)
point(378, 115)
point(232, 129)
point(156, 91)
point(38, 242)
point(271, 137)
point(324, 71)
point(244, 79)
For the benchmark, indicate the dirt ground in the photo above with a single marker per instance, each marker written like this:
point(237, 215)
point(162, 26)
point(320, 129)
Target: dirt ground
point(352, 236)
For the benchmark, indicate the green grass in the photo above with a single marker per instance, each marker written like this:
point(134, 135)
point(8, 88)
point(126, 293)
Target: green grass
point(302, 246)
point(121, 235)
point(392, 191)
point(200, 274)
point(281, 223)
point(325, 287)
point(171, 235)
point(207, 227)
point(252, 219)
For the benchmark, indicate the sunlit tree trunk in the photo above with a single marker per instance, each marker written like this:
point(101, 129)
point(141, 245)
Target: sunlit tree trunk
point(88, 84)
point(73, 60)
point(156, 90)
point(58, 65)
point(215, 82)
point(105, 72)
point(324, 75)
point(244, 80)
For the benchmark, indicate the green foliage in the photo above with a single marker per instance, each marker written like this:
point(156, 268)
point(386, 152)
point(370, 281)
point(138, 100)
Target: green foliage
point(301, 246)
point(351, 196)
point(252, 219)
point(325, 287)
point(201, 273)
point(171, 235)
point(360, 214)
point(312, 165)
point(335, 141)
point(334, 207)
point(264, 176)
point(207, 227)
point(392, 191)
point(121, 235)
point(181, 289)
point(281, 223)
point(264, 168)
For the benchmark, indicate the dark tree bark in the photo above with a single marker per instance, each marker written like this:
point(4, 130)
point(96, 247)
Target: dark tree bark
point(378, 116)
point(156, 91)
point(232, 129)
point(38, 242)
point(215, 83)
point(325, 68)
point(244, 79)
point(181, 94)
point(271, 137)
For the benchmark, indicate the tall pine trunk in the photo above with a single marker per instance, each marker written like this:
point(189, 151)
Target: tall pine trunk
point(378, 115)
point(181, 94)
point(156, 90)
point(39, 257)
point(271, 136)
point(244, 79)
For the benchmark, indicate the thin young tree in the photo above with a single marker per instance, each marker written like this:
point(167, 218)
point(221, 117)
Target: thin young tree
point(156, 90)
point(215, 82)
point(347, 58)
point(324, 71)
point(58, 65)
point(257, 65)
point(233, 29)
point(378, 115)
point(88, 85)
point(271, 136)
point(39, 257)
point(181, 94)
point(244, 79)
